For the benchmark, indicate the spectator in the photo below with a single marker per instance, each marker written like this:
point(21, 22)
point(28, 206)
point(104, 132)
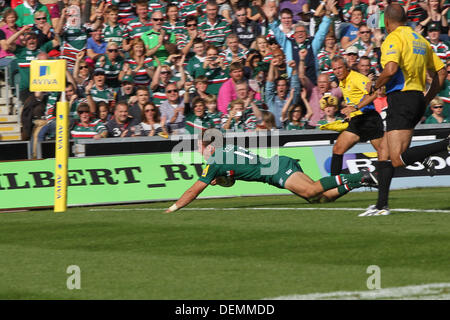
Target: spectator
point(195, 64)
point(95, 44)
point(233, 52)
point(292, 115)
point(212, 112)
point(437, 115)
point(173, 25)
point(121, 125)
point(238, 120)
point(81, 72)
point(267, 122)
point(103, 112)
point(214, 70)
point(200, 88)
point(296, 7)
point(277, 91)
point(315, 93)
point(330, 49)
point(125, 10)
point(247, 30)
point(6, 31)
point(172, 110)
point(247, 95)
point(112, 29)
point(42, 28)
point(138, 65)
point(141, 23)
point(191, 36)
point(262, 46)
point(142, 98)
point(301, 41)
point(151, 122)
point(225, 10)
point(191, 7)
point(363, 66)
point(196, 117)
point(127, 90)
point(215, 27)
point(351, 56)
point(350, 33)
point(26, 53)
point(26, 10)
point(329, 106)
point(163, 77)
point(85, 127)
point(227, 91)
point(97, 90)
point(73, 36)
point(434, 14)
point(349, 7)
point(156, 40)
point(439, 47)
point(413, 11)
point(365, 44)
point(112, 63)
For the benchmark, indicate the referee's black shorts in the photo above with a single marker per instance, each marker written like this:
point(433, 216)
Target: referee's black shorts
point(367, 126)
point(405, 109)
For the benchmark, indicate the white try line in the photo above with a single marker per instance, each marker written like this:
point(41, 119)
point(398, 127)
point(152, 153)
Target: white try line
point(433, 291)
point(268, 209)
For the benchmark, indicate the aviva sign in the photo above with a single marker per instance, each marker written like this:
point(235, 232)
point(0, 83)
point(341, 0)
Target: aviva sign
point(47, 75)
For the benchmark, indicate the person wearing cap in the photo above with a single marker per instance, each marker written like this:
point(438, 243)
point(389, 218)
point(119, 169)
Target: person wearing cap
point(441, 49)
point(85, 127)
point(329, 105)
point(127, 89)
point(98, 90)
point(26, 53)
point(351, 56)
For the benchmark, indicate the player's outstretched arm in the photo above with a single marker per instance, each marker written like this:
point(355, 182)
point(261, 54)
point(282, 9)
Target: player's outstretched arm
point(188, 196)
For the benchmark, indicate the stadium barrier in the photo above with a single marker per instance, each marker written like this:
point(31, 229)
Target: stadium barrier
point(157, 176)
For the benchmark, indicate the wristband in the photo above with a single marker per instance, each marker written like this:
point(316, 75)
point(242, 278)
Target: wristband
point(173, 208)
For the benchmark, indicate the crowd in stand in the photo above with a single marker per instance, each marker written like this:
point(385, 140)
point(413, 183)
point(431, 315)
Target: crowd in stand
point(151, 67)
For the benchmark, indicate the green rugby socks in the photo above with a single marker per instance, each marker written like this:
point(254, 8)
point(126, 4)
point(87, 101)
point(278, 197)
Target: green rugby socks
point(339, 180)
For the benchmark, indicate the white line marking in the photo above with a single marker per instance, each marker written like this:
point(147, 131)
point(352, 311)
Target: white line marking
point(273, 209)
point(438, 291)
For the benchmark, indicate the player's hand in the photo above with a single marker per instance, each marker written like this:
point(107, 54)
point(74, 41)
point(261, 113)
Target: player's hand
point(213, 182)
point(347, 110)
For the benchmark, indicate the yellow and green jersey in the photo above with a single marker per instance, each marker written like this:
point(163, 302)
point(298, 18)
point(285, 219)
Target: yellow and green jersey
point(354, 89)
point(414, 57)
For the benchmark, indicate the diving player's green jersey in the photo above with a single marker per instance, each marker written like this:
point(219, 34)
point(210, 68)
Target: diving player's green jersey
point(242, 164)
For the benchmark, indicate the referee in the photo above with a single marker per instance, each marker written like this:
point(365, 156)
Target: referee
point(406, 58)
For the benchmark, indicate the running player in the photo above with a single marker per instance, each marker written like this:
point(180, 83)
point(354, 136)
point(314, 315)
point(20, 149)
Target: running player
point(238, 163)
point(406, 58)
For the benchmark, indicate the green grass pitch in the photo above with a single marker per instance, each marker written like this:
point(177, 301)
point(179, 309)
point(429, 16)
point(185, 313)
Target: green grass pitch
point(130, 252)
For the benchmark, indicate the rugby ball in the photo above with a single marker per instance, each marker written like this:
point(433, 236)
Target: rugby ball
point(225, 181)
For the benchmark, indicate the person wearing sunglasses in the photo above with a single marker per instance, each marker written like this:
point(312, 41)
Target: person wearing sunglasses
point(186, 41)
point(86, 127)
point(42, 28)
point(366, 44)
point(437, 115)
point(151, 124)
point(172, 110)
point(26, 10)
point(112, 62)
point(157, 38)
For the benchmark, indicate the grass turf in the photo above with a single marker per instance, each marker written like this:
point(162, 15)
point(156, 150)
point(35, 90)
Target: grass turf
point(218, 254)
